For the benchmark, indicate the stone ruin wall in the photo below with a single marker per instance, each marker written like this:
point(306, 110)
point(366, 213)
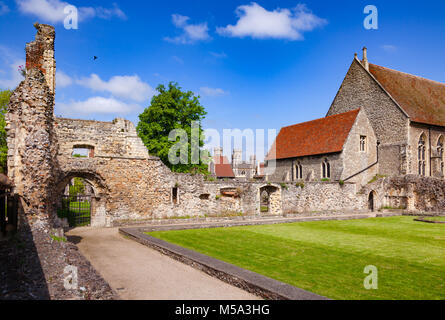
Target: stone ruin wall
point(32, 144)
point(323, 197)
point(129, 184)
point(40, 54)
point(108, 139)
point(412, 193)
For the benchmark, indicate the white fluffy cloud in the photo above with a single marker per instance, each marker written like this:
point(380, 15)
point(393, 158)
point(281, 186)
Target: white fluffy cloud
point(191, 33)
point(52, 10)
point(96, 105)
point(127, 87)
point(256, 22)
point(4, 9)
point(63, 80)
point(212, 92)
point(14, 77)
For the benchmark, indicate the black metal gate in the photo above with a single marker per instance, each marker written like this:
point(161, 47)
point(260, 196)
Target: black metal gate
point(76, 203)
point(77, 209)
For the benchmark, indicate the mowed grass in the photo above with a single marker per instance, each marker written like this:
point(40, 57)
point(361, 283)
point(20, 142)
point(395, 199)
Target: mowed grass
point(329, 257)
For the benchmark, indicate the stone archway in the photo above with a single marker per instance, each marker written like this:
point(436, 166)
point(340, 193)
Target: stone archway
point(97, 195)
point(270, 201)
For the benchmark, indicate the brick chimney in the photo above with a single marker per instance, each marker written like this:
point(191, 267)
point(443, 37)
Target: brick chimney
point(365, 58)
point(40, 54)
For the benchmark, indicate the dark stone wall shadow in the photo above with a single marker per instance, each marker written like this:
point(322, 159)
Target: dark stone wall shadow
point(21, 273)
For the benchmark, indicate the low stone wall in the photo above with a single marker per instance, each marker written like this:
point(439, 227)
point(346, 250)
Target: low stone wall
point(128, 190)
point(412, 193)
point(322, 196)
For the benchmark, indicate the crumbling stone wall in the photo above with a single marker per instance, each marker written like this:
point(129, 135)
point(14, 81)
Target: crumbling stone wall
point(411, 192)
point(109, 139)
point(40, 54)
point(30, 133)
point(128, 183)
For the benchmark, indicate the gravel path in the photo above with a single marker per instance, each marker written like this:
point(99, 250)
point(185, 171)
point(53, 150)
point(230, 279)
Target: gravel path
point(32, 268)
point(137, 272)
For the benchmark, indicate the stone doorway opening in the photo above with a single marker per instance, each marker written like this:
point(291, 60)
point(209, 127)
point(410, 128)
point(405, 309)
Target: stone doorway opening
point(76, 204)
point(270, 200)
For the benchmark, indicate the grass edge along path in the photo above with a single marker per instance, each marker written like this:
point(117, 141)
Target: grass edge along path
point(329, 257)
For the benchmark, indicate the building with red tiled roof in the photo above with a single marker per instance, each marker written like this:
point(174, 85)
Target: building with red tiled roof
point(317, 137)
point(333, 148)
point(407, 113)
point(221, 168)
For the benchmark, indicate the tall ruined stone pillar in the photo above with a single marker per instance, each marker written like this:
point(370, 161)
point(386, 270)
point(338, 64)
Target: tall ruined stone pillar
point(40, 54)
point(31, 139)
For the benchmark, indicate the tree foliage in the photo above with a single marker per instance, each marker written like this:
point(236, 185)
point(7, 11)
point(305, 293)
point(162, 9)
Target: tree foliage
point(5, 95)
point(78, 187)
point(172, 109)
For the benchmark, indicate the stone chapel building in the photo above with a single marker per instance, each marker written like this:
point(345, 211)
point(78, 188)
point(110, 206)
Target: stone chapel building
point(381, 121)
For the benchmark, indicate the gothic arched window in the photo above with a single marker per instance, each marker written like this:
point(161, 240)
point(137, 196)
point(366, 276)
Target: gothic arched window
point(440, 153)
point(422, 155)
point(298, 171)
point(326, 169)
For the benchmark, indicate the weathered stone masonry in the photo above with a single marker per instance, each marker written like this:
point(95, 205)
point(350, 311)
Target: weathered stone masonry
point(128, 183)
point(32, 142)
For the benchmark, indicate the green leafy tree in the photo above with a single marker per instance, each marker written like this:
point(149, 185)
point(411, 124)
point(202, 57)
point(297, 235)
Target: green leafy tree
point(5, 95)
point(78, 187)
point(174, 109)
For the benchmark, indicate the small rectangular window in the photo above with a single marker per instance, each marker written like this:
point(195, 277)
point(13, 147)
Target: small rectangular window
point(83, 152)
point(363, 143)
point(175, 197)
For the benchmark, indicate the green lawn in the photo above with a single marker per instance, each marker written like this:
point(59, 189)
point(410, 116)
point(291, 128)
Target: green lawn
point(329, 257)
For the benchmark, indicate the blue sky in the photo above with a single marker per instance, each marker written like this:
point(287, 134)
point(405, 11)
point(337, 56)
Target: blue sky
point(264, 65)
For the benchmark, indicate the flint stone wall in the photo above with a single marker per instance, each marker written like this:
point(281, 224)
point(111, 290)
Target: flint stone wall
point(32, 147)
point(129, 188)
point(321, 197)
point(411, 193)
point(131, 185)
point(390, 123)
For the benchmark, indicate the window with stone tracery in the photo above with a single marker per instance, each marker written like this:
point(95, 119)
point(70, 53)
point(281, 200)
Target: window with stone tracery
point(298, 171)
point(440, 153)
point(326, 169)
point(422, 155)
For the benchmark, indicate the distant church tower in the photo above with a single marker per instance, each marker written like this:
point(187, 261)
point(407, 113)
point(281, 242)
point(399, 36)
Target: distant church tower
point(237, 157)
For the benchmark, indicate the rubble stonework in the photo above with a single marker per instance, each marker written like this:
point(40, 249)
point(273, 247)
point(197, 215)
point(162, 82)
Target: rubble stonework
point(411, 193)
point(32, 145)
point(128, 184)
point(40, 54)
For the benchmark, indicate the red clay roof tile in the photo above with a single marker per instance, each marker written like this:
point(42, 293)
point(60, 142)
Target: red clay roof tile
point(422, 99)
point(223, 169)
point(322, 136)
